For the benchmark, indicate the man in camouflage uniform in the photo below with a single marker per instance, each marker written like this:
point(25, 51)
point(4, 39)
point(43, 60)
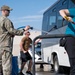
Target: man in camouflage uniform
point(7, 32)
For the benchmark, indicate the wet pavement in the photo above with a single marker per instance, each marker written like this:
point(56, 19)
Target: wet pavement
point(45, 71)
point(42, 71)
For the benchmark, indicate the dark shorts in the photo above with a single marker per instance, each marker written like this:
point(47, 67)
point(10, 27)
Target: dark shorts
point(70, 46)
point(25, 56)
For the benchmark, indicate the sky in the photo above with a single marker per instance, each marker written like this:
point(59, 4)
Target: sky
point(27, 12)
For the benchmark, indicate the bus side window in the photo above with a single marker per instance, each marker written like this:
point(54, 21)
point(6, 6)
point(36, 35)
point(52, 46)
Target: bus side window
point(61, 22)
point(52, 20)
point(38, 45)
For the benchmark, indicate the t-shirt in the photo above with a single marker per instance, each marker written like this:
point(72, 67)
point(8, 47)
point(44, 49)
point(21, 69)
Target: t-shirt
point(71, 27)
point(26, 43)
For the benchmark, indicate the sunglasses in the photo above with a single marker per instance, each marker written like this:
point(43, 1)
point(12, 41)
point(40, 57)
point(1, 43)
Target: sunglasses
point(28, 32)
point(7, 10)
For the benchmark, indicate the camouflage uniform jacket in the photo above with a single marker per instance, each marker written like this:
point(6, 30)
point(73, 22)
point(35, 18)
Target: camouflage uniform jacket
point(6, 32)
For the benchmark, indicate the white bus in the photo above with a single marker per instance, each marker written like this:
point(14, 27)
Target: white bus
point(53, 23)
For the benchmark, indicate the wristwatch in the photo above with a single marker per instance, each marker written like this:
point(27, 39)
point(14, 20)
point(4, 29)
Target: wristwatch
point(66, 18)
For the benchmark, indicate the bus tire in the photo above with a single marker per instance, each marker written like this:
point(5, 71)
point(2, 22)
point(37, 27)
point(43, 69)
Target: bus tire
point(57, 67)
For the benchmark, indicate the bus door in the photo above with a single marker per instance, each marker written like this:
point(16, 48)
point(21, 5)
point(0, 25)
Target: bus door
point(48, 43)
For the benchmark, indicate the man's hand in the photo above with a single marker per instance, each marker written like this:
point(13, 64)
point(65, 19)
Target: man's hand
point(27, 28)
point(68, 19)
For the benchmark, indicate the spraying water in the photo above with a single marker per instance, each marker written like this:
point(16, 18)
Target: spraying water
point(34, 29)
point(41, 30)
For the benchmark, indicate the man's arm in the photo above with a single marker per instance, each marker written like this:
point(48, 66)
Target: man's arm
point(64, 13)
point(9, 27)
point(21, 46)
point(37, 41)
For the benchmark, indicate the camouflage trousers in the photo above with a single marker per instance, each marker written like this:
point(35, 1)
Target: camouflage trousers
point(0, 64)
point(7, 63)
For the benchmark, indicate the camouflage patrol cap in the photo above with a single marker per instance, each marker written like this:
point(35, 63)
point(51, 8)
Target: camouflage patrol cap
point(4, 7)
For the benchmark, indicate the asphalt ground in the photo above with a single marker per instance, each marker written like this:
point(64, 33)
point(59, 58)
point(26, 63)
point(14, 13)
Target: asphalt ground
point(45, 71)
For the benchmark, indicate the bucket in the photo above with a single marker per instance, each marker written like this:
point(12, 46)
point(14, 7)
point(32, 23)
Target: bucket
point(15, 65)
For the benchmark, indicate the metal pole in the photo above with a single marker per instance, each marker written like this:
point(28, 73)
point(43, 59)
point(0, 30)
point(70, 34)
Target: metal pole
point(33, 52)
point(44, 37)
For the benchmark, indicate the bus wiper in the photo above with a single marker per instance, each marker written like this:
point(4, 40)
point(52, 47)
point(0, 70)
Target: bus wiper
point(54, 27)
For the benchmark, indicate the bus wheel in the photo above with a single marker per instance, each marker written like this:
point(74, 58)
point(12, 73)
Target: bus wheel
point(57, 68)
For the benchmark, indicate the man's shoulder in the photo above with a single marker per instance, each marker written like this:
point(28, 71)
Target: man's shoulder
point(71, 9)
point(7, 19)
point(3, 18)
point(24, 38)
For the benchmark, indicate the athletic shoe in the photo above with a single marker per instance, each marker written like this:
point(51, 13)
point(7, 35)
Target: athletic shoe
point(21, 73)
point(28, 72)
